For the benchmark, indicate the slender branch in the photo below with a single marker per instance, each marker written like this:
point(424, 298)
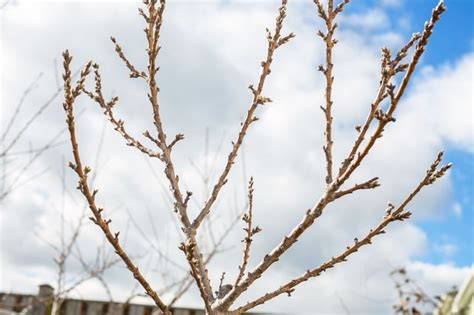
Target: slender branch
point(189, 251)
point(328, 16)
point(154, 20)
point(370, 184)
point(134, 73)
point(153, 33)
point(70, 95)
point(98, 97)
point(274, 41)
point(250, 232)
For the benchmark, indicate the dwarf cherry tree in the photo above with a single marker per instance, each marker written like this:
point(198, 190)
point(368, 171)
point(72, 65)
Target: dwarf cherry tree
point(400, 64)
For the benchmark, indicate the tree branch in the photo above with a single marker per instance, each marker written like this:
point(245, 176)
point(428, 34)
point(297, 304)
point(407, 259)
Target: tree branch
point(391, 215)
point(370, 184)
point(70, 95)
point(385, 118)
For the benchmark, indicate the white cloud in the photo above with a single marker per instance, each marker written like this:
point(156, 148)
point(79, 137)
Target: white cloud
point(446, 249)
point(438, 278)
point(404, 22)
point(373, 19)
point(457, 210)
point(392, 3)
point(211, 52)
point(443, 98)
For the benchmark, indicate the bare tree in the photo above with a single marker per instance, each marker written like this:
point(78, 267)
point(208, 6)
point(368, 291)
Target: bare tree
point(15, 160)
point(381, 113)
point(412, 298)
point(67, 248)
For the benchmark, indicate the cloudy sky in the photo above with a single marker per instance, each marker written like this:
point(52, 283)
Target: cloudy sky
point(211, 51)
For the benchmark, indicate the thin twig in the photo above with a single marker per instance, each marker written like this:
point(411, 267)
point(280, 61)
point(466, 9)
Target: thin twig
point(28, 90)
point(250, 232)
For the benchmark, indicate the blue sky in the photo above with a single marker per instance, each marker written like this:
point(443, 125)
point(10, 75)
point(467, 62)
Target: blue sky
point(454, 33)
point(452, 39)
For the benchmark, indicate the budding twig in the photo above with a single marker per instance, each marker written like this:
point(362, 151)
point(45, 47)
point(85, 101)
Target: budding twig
point(118, 124)
point(370, 184)
point(249, 233)
point(134, 73)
